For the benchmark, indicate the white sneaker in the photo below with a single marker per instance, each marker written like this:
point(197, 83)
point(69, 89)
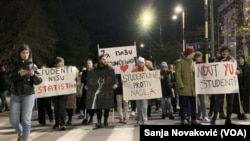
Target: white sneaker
point(178, 107)
point(206, 120)
point(132, 113)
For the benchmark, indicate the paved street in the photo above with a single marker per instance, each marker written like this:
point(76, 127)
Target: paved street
point(78, 132)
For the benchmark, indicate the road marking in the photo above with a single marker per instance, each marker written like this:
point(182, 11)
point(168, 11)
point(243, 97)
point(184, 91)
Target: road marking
point(121, 134)
point(74, 135)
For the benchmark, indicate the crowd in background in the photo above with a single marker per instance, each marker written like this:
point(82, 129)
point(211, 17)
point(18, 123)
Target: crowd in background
point(178, 94)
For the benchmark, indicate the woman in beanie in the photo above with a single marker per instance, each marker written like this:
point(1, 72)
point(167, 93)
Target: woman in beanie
point(59, 103)
point(185, 86)
point(141, 105)
point(23, 76)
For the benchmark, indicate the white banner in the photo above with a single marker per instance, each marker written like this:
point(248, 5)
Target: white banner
point(216, 78)
point(141, 85)
point(123, 59)
point(56, 81)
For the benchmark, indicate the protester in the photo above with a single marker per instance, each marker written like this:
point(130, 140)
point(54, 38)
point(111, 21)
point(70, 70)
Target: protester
point(185, 84)
point(219, 98)
point(122, 105)
point(166, 86)
point(23, 75)
point(59, 103)
point(88, 117)
point(202, 113)
point(4, 89)
point(71, 99)
point(44, 106)
point(102, 66)
point(243, 97)
point(141, 105)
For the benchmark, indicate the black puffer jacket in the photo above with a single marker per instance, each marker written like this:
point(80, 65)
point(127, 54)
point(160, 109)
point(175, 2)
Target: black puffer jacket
point(22, 85)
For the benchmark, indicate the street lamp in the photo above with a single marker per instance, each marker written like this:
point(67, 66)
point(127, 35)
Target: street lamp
point(179, 9)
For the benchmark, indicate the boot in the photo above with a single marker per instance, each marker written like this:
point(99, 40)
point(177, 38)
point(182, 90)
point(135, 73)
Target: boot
point(222, 116)
point(229, 122)
point(105, 121)
point(98, 124)
point(90, 120)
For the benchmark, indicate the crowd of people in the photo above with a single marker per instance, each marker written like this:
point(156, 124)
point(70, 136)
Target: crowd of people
point(177, 83)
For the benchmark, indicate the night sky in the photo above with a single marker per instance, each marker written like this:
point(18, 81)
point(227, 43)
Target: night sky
point(114, 22)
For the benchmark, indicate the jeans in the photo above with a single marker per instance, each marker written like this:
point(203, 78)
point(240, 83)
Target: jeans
point(166, 105)
point(21, 107)
point(187, 106)
point(142, 109)
point(122, 107)
point(4, 104)
point(201, 106)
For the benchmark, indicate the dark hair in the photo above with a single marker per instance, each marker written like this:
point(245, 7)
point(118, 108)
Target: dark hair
point(100, 57)
point(241, 56)
point(224, 47)
point(25, 47)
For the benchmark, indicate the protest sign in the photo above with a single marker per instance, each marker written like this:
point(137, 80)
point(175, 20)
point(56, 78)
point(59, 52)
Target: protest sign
point(56, 81)
point(141, 85)
point(216, 78)
point(123, 59)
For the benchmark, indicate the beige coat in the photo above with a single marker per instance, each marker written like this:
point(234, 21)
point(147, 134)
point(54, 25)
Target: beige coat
point(71, 98)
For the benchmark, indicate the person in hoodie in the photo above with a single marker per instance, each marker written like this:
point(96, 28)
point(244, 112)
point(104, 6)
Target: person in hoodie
point(23, 76)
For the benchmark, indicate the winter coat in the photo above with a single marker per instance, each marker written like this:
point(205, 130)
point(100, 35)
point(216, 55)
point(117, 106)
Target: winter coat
point(184, 74)
point(166, 84)
point(71, 98)
point(244, 86)
point(22, 85)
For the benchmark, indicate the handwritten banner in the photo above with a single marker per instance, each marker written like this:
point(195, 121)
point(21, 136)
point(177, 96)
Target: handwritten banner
point(141, 85)
point(100, 94)
point(122, 58)
point(56, 81)
point(216, 78)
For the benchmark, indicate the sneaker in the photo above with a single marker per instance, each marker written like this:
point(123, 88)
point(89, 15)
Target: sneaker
point(19, 138)
point(195, 122)
point(222, 116)
point(212, 122)
point(206, 120)
point(63, 127)
point(177, 107)
point(185, 122)
point(98, 125)
point(80, 117)
point(132, 113)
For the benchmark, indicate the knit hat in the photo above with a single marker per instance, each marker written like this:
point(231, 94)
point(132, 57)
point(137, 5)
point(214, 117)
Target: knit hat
point(188, 51)
point(141, 59)
point(58, 60)
point(197, 54)
point(164, 64)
